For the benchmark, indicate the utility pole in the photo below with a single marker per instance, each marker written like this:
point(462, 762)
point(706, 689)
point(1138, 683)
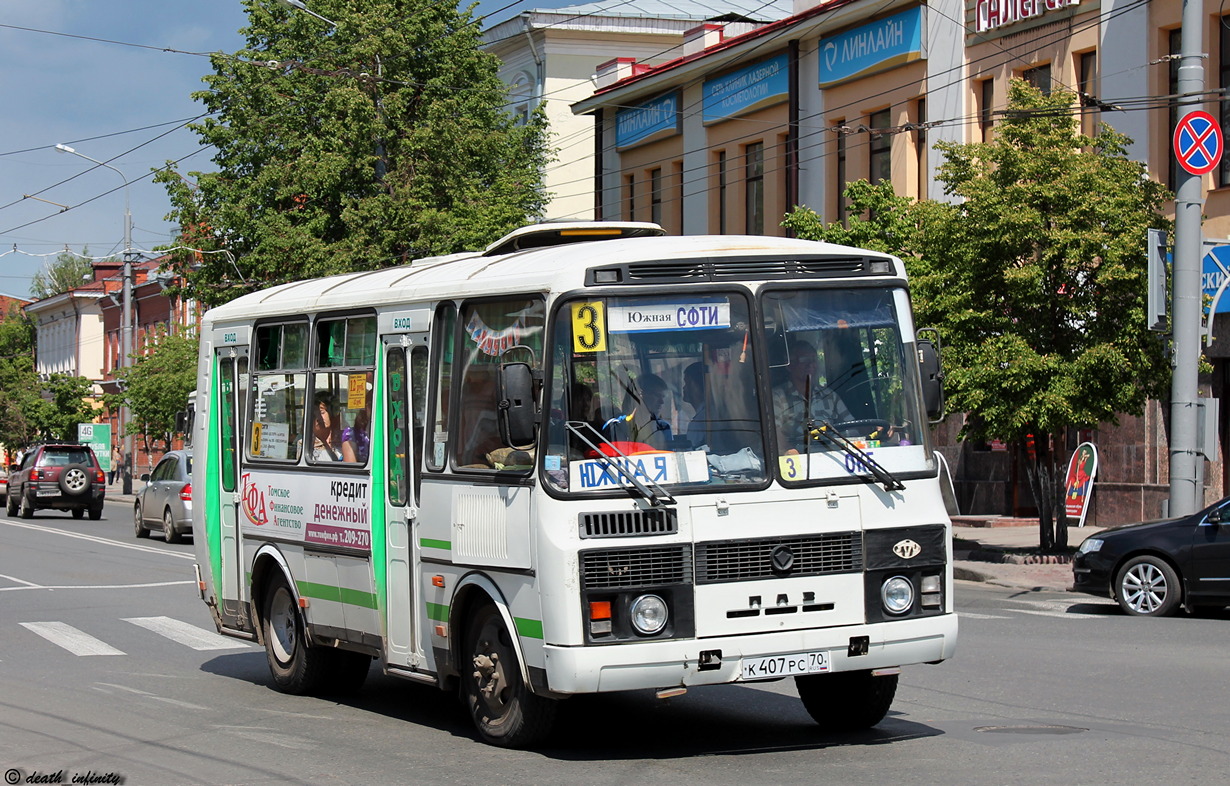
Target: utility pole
point(1186, 464)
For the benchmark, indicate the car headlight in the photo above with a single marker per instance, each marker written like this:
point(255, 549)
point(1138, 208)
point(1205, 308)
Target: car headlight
point(1090, 545)
point(897, 594)
point(649, 614)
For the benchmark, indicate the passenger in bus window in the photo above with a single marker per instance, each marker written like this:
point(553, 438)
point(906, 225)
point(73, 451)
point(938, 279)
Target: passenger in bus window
point(694, 394)
point(326, 429)
point(356, 439)
point(790, 398)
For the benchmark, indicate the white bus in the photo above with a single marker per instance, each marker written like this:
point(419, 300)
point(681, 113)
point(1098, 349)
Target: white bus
point(589, 458)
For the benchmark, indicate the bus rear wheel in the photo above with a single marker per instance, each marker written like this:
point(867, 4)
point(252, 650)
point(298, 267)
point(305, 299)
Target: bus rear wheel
point(847, 701)
point(296, 667)
point(504, 710)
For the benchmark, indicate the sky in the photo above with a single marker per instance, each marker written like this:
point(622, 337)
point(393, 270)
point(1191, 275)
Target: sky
point(113, 79)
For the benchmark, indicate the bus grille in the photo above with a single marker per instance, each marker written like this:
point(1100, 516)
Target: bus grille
point(743, 560)
point(738, 269)
point(629, 523)
point(638, 567)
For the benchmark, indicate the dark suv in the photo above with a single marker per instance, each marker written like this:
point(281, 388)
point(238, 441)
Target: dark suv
point(58, 477)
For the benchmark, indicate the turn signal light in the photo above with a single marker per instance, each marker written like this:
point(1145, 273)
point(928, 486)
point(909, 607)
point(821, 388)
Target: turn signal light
point(186, 492)
point(599, 609)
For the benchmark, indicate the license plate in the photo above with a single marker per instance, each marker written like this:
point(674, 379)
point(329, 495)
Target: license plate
point(775, 666)
point(47, 493)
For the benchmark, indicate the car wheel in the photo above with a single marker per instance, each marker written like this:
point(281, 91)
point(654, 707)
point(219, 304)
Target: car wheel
point(296, 666)
point(501, 705)
point(846, 701)
point(78, 513)
point(27, 508)
point(96, 513)
point(75, 480)
point(168, 527)
point(138, 524)
point(10, 505)
point(1148, 587)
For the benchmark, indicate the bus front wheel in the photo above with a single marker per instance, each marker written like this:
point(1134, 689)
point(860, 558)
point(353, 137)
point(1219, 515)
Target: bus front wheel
point(847, 701)
point(296, 667)
point(504, 710)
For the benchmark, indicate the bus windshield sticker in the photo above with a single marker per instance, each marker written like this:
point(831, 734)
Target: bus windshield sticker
point(662, 316)
point(598, 474)
point(589, 327)
point(270, 440)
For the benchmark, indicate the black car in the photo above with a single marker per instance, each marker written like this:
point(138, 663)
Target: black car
point(1153, 568)
point(57, 477)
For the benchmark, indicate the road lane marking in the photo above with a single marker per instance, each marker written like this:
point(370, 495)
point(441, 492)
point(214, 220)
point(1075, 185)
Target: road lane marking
point(975, 616)
point(186, 634)
point(152, 696)
point(105, 541)
point(98, 586)
point(71, 639)
point(1063, 615)
point(29, 584)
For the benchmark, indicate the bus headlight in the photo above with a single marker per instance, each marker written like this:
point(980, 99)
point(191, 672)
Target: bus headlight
point(649, 614)
point(897, 594)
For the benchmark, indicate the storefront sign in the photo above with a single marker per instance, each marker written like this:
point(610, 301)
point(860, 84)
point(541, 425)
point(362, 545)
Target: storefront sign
point(1079, 485)
point(990, 14)
point(650, 121)
point(747, 90)
point(876, 46)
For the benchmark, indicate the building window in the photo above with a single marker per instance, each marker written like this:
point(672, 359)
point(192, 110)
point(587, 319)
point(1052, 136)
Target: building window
point(630, 196)
point(920, 145)
point(1172, 89)
point(655, 196)
point(1087, 73)
point(754, 188)
point(721, 191)
point(1039, 77)
point(986, 103)
point(839, 170)
point(677, 179)
point(1223, 81)
point(881, 147)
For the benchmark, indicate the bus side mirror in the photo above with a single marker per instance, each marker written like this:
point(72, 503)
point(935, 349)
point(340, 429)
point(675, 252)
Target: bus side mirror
point(932, 375)
point(518, 420)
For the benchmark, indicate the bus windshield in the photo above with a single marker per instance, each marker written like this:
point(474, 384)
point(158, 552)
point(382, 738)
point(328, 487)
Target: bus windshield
point(846, 398)
point(665, 386)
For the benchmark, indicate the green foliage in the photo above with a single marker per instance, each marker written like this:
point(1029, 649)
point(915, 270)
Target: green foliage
point(1035, 274)
point(62, 403)
point(67, 271)
point(156, 386)
point(18, 383)
point(364, 146)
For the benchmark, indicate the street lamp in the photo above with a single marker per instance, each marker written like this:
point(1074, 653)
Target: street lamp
point(302, 6)
point(126, 323)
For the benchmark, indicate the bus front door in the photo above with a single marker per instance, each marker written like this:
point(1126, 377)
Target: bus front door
point(399, 427)
point(232, 370)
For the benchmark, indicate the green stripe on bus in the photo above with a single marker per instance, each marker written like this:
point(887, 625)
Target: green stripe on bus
point(430, 543)
point(437, 612)
point(531, 629)
point(350, 597)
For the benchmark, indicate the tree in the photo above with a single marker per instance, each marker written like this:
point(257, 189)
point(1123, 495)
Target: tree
point(1036, 276)
point(35, 408)
point(67, 272)
point(362, 146)
point(156, 387)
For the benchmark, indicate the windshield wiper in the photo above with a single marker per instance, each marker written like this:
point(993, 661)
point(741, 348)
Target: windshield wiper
point(657, 496)
point(873, 467)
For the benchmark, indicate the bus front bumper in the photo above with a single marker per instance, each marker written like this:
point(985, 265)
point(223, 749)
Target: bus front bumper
point(719, 660)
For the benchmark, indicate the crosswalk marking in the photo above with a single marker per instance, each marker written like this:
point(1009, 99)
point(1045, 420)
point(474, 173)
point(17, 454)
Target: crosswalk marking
point(188, 635)
point(71, 639)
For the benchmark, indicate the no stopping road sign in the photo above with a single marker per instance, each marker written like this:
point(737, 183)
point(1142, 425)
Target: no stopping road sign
point(1198, 142)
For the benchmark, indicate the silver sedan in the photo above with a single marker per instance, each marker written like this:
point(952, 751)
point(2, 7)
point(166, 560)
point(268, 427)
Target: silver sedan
point(165, 502)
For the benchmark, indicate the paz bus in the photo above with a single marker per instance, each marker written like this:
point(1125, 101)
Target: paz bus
point(588, 458)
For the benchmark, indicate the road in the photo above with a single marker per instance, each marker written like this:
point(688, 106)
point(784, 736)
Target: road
point(109, 665)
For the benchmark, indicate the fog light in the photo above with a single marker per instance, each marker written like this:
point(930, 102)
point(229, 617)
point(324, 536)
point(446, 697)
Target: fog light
point(929, 584)
point(897, 595)
point(649, 614)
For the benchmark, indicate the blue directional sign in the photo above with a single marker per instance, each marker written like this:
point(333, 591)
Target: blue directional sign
point(1214, 266)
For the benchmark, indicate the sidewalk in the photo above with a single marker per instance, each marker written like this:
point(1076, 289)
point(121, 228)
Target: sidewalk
point(995, 550)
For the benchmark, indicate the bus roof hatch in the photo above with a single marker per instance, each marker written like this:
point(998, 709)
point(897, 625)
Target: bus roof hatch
point(560, 233)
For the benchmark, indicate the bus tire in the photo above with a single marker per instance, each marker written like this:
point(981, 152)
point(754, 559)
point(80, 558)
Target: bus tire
point(501, 705)
point(296, 666)
point(846, 701)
